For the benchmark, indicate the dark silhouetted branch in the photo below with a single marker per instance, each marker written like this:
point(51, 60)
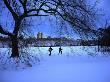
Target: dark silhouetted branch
point(2, 31)
point(15, 16)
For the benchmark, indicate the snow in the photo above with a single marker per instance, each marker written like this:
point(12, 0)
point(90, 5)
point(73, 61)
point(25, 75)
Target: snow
point(74, 65)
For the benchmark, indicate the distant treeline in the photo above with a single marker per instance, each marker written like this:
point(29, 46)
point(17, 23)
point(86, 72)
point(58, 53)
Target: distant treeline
point(6, 41)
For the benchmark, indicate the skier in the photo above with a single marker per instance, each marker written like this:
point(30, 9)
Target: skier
point(60, 50)
point(50, 50)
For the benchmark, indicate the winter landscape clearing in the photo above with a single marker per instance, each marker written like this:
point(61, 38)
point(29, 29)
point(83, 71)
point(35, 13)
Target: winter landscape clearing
point(74, 65)
point(54, 41)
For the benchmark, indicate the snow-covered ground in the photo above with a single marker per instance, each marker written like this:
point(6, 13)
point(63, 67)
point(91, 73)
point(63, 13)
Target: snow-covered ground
point(75, 65)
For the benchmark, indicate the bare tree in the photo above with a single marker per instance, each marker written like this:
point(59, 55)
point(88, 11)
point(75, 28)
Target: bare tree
point(77, 12)
point(19, 10)
point(80, 15)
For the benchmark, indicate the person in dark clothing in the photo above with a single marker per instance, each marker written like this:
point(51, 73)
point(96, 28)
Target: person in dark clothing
point(50, 50)
point(60, 50)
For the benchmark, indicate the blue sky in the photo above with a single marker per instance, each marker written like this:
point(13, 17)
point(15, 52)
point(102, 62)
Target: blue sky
point(104, 7)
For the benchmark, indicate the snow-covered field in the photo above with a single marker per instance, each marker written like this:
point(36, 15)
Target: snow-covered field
point(75, 65)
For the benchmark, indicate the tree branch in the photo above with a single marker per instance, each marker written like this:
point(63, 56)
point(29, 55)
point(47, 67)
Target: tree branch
point(2, 31)
point(23, 5)
point(35, 15)
point(15, 16)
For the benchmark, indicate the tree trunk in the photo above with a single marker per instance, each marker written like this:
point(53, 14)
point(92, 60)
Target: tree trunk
point(15, 49)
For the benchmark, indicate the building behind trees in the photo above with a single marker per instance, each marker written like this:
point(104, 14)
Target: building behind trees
point(40, 35)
